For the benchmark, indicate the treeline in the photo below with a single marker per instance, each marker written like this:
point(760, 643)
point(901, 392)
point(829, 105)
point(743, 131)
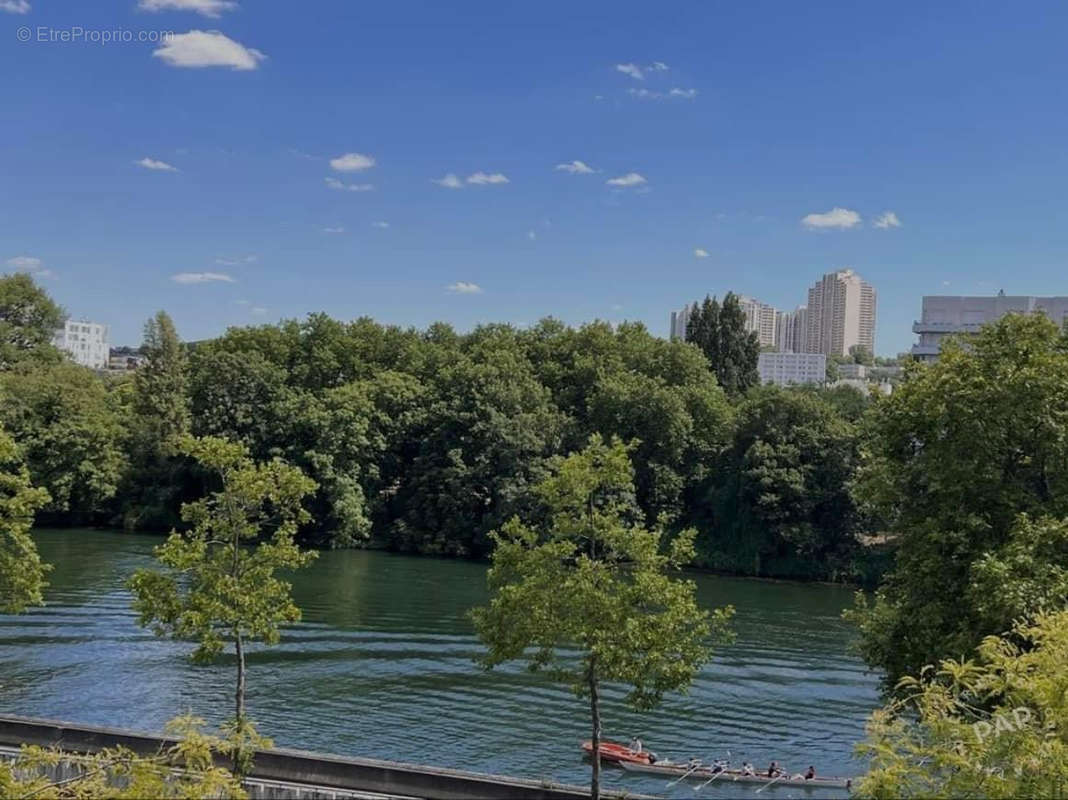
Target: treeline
point(425, 441)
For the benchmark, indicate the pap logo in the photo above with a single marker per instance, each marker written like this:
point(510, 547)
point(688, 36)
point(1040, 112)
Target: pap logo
point(1003, 723)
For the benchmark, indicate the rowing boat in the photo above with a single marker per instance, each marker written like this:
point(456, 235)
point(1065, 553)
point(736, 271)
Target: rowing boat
point(706, 773)
point(617, 753)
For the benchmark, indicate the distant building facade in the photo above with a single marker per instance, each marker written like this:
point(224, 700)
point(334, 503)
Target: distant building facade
point(760, 318)
point(791, 330)
point(679, 320)
point(784, 369)
point(946, 315)
point(86, 342)
point(841, 314)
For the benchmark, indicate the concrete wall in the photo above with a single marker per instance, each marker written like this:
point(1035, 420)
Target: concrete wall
point(296, 773)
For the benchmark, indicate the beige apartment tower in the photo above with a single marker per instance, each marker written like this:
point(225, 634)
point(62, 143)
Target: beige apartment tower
point(841, 314)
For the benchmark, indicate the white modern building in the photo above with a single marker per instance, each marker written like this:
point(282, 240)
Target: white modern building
point(791, 330)
point(946, 315)
point(86, 342)
point(759, 318)
point(679, 320)
point(841, 314)
point(784, 369)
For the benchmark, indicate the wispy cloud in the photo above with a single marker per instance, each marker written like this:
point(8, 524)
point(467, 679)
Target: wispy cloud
point(337, 229)
point(152, 163)
point(484, 179)
point(15, 6)
point(532, 235)
point(235, 262)
point(686, 94)
point(207, 8)
point(575, 168)
point(380, 224)
point(700, 252)
point(352, 162)
point(630, 179)
point(450, 181)
point(198, 49)
point(202, 277)
point(31, 265)
point(841, 218)
point(888, 219)
point(649, 94)
point(340, 186)
point(259, 311)
point(463, 287)
point(631, 69)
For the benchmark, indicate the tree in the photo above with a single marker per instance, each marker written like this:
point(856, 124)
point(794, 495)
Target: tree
point(731, 350)
point(21, 570)
point(593, 580)
point(783, 491)
point(28, 320)
point(67, 426)
point(219, 584)
point(952, 459)
point(161, 403)
point(184, 771)
point(995, 726)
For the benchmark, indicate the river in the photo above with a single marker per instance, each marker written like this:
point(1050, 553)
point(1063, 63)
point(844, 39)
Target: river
point(382, 665)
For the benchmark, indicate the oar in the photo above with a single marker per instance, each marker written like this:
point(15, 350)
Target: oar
point(766, 785)
point(685, 774)
point(703, 785)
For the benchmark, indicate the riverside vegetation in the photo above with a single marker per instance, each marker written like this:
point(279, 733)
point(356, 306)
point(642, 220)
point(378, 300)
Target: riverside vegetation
point(590, 464)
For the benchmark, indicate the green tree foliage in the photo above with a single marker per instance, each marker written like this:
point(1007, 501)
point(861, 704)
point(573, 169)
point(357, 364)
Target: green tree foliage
point(218, 583)
point(28, 321)
point(731, 350)
point(21, 570)
point(184, 771)
point(955, 456)
point(590, 580)
point(995, 726)
point(67, 424)
point(159, 411)
point(783, 492)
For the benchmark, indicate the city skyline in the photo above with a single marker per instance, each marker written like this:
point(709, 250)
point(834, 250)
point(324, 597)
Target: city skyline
point(361, 164)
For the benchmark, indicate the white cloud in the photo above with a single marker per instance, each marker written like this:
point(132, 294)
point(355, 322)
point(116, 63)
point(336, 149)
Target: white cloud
point(207, 49)
point(888, 219)
point(644, 94)
point(242, 302)
point(482, 179)
point(686, 94)
point(631, 69)
point(532, 235)
point(380, 224)
point(24, 263)
point(658, 66)
point(334, 183)
point(352, 162)
point(630, 179)
point(208, 8)
point(450, 181)
point(338, 229)
point(259, 311)
point(835, 218)
point(648, 94)
point(15, 6)
point(575, 168)
point(152, 163)
point(700, 253)
point(234, 262)
point(463, 287)
point(202, 277)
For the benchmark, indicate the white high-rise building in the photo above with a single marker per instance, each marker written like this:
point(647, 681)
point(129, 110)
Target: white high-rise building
point(945, 315)
point(87, 342)
point(679, 320)
point(784, 369)
point(759, 317)
point(791, 330)
point(841, 314)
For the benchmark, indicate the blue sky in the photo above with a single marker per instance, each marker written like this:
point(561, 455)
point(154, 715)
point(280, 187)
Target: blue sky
point(952, 116)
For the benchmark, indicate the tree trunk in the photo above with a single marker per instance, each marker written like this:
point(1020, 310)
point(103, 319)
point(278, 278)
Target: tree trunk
point(595, 715)
point(239, 706)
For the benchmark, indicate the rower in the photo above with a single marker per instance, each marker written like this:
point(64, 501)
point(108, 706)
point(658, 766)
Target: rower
point(773, 770)
point(636, 744)
point(810, 774)
point(747, 768)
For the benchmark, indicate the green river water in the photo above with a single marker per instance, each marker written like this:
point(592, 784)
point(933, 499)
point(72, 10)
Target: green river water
point(381, 665)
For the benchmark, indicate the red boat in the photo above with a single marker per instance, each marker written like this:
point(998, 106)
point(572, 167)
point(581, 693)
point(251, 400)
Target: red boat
point(613, 751)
